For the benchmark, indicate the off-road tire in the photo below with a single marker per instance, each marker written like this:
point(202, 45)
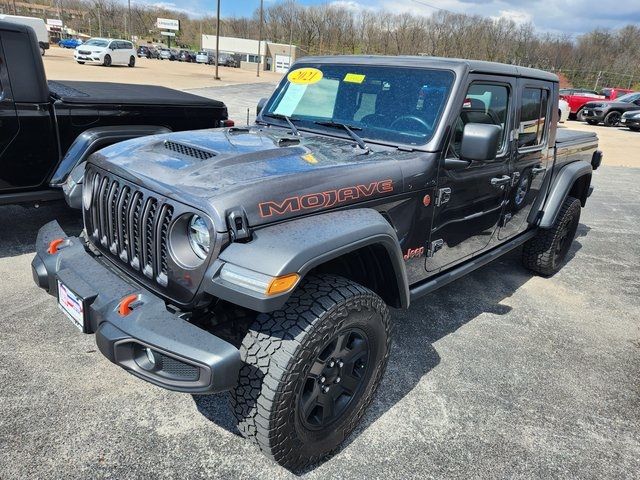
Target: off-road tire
point(279, 350)
point(612, 119)
point(107, 61)
point(132, 61)
point(546, 252)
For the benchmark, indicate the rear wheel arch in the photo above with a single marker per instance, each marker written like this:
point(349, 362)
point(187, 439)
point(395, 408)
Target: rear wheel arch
point(580, 188)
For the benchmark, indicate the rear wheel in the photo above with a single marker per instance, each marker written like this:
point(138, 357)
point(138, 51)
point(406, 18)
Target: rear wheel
point(81, 63)
point(546, 252)
point(635, 129)
point(311, 369)
point(132, 61)
point(107, 61)
point(612, 119)
point(42, 51)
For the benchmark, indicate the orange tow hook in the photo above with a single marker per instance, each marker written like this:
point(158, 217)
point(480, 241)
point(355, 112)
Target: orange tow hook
point(125, 308)
point(53, 246)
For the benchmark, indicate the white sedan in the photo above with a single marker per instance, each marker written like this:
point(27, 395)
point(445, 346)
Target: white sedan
point(563, 110)
point(106, 51)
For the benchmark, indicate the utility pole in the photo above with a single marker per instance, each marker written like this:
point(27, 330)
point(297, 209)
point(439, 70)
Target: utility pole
point(260, 38)
point(217, 39)
point(15, 11)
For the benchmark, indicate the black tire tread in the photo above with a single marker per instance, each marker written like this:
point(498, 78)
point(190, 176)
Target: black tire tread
point(538, 253)
point(274, 346)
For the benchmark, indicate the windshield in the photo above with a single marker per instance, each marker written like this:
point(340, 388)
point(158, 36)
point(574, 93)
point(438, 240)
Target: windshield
point(386, 104)
point(628, 98)
point(96, 43)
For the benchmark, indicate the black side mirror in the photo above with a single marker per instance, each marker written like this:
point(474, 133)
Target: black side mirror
point(480, 142)
point(261, 103)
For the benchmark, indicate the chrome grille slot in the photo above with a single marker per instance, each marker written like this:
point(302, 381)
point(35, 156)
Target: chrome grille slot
point(130, 224)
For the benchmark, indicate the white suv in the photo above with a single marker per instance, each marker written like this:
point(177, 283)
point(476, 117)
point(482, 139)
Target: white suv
point(106, 51)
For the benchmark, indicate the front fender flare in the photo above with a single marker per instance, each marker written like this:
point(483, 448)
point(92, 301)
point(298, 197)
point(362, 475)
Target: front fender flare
point(300, 245)
point(93, 139)
point(560, 188)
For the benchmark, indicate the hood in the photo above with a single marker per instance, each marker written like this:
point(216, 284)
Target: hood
point(267, 173)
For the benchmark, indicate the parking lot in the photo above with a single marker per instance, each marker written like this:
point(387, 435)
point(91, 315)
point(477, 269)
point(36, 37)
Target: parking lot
point(500, 374)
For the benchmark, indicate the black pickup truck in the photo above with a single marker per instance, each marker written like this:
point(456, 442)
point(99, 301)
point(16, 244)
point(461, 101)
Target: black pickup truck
point(47, 128)
point(263, 260)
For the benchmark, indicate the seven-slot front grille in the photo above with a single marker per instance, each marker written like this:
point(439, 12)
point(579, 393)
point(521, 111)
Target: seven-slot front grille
point(131, 225)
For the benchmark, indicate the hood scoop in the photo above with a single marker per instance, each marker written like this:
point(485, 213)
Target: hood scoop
point(188, 151)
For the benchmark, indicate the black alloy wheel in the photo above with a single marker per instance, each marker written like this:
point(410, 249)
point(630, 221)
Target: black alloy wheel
point(335, 380)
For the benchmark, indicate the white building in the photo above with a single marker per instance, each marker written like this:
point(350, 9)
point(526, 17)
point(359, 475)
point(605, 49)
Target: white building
point(273, 56)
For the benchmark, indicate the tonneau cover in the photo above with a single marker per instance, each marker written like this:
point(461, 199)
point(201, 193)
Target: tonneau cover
point(564, 135)
point(106, 93)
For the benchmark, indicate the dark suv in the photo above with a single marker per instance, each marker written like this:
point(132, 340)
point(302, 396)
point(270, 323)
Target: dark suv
point(610, 112)
point(264, 260)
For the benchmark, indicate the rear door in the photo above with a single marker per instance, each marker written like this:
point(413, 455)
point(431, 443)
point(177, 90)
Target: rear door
point(9, 125)
point(532, 153)
point(470, 202)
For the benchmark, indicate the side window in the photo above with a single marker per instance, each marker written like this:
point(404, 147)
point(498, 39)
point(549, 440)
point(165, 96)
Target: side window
point(484, 103)
point(113, 45)
point(533, 117)
point(128, 45)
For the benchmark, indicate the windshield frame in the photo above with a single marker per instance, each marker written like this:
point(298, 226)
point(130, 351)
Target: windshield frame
point(308, 125)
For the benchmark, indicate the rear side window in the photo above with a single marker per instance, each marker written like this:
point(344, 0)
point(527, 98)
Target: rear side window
point(533, 117)
point(127, 45)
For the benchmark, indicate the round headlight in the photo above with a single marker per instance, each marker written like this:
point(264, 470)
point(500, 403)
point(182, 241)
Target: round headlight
point(199, 237)
point(87, 194)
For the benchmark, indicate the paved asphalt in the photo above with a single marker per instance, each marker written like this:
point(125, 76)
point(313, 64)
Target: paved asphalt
point(499, 375)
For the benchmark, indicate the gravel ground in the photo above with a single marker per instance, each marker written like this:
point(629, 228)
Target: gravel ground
point(500, 374)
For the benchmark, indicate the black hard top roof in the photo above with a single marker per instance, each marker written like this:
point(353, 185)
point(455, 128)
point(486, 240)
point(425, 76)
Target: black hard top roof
point(458, 65)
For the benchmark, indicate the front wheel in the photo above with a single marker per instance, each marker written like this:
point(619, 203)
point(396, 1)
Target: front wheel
point(580, 116)
point(107, 61)
point(81, 63)
point(612, 119)
point(132, 61)
point(593, 122)
point(311, 369)
point(545, 253)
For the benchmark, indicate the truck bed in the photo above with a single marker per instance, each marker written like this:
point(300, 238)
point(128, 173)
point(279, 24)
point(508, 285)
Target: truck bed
point(122, 93)
point(574, 145)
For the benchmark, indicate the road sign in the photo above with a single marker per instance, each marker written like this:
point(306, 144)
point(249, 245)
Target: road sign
point(168, 24)
point(168, 34)
point(54, 22)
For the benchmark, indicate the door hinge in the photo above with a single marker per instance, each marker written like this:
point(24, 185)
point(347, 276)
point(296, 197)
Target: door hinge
point(238, 225)
point(444, 194)
point(434, 247)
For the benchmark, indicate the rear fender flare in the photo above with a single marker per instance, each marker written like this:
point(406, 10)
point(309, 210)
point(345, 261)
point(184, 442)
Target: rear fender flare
point(298, 246)
point(576, 174)
point(93, 139)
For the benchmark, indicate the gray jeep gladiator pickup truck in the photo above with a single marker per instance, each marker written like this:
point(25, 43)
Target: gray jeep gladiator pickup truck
point(263, 260)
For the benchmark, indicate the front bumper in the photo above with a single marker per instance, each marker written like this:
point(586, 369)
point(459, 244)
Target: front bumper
point(594, 114)
point(183, 356)
point(630, 122)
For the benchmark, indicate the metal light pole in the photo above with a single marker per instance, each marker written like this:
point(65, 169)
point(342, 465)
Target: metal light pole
point(217, 39)
point(260, 38)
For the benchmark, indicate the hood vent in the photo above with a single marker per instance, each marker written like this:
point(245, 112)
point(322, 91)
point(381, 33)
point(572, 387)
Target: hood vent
point(188, 151)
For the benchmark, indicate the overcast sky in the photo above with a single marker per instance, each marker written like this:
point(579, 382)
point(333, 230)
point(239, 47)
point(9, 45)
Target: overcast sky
point(568, 16)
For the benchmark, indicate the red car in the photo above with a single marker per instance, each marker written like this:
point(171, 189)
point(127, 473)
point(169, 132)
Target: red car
point(577, 98)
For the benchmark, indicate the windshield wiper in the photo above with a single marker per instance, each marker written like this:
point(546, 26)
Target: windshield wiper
point(350, 130)
point(294, 130)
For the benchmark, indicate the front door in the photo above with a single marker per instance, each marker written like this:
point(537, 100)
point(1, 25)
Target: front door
point(531, 160)
point(9, 127)
point(470, 202)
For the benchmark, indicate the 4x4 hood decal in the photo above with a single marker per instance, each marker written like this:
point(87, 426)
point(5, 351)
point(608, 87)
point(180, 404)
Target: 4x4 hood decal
point(269, 174)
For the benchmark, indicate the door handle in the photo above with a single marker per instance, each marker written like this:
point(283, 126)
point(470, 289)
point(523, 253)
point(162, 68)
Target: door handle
point(538, 170)
point(501, 181)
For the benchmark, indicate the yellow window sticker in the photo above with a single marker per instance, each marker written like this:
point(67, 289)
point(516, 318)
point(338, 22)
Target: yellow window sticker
point(354, 78)
point(305, 76)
